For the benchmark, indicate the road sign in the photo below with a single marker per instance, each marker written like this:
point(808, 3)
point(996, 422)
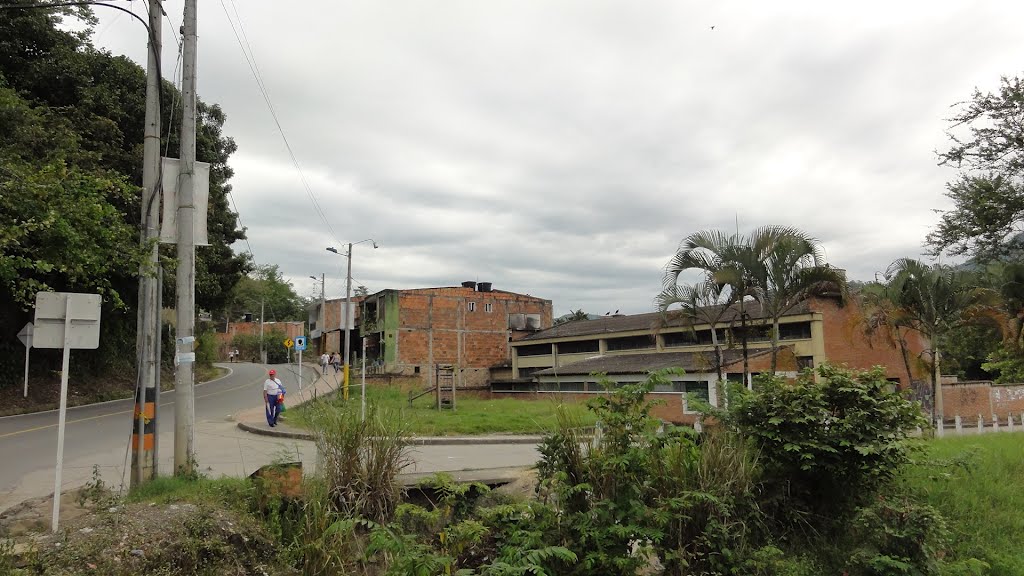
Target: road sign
point(26, 334)
point(288, 343)
point(65, 320)
point(300, 343)
point(79, 312)
point(26, 338)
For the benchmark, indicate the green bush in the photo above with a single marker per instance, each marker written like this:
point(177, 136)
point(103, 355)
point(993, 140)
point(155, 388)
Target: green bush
point(826, 446)
point(644, 483)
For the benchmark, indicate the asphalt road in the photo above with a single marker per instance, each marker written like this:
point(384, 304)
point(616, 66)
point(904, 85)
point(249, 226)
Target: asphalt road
point(28, 443)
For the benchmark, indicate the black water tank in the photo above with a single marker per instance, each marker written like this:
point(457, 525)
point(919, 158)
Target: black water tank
point(484, 287)
point(469, 284)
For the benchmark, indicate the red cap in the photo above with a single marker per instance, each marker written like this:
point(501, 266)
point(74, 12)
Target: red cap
point(272, 372)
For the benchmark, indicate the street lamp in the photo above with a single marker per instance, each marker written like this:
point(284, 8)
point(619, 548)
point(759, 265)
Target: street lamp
point(321, 318)
point(348, 300)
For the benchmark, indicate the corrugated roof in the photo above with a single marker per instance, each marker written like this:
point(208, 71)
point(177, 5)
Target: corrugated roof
point(647, 362)
point(649, 321)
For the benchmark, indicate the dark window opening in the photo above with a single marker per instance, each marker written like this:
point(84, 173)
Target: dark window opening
point(698, 390)
point(579, 347)
point(534, 350)
point(561, 387)
point(805, 362)
point(795, 331)
point(416, 370)
point(631, 343)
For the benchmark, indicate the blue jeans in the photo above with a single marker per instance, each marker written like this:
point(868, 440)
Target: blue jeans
point(273, 409)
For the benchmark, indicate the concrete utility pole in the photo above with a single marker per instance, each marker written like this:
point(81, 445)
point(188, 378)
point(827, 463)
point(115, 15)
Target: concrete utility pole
point(322, 317)
point(144, 440)
point(184, 439)
point(263, 353)
point(348, 321)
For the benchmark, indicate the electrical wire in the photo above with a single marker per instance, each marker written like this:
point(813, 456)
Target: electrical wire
point(250, 59)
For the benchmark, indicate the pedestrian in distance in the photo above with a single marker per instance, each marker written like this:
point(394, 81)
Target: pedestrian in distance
point(336, 362)
point(231, 355)
point(236, 354)
point(324, 361)
point(273, 397)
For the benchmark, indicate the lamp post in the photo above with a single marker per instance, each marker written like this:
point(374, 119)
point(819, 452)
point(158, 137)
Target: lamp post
point(348, 300)
point(321, 318)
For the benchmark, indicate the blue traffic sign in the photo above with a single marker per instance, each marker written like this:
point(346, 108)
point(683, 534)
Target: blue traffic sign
point(300, 343)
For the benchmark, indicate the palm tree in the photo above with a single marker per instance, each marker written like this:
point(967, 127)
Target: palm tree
point(934, 300)
point(778, 266)
point(790, 270)
point(706, 302)
point(721, 257)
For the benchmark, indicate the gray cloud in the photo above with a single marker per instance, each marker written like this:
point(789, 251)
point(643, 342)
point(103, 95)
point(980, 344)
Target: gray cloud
point(563, 149)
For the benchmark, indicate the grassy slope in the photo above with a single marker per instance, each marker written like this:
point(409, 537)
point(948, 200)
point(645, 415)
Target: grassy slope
point(977, 483)
point(473, 415)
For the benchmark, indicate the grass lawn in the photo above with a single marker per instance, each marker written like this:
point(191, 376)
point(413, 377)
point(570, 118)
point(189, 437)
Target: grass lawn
point(977, 483)
point(473, 416)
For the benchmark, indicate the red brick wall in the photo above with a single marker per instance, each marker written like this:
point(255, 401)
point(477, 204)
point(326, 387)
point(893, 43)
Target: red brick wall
point(436, 326)
point(846, 343)
point(969, 399)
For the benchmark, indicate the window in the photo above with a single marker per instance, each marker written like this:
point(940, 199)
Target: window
point(695, 392)
point(631, 343)
point(472, 306)
point(488, 307)
point(795, 331)
point(534, 350)
point(579, 347)
point(804, 362)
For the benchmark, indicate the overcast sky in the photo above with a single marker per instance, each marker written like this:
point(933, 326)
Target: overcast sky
point(563, 149)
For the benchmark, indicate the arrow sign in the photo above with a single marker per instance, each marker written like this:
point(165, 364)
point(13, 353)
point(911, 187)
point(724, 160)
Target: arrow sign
point(288, 343)
point(26, 334)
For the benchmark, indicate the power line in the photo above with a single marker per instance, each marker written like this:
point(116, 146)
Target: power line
point(250, 59)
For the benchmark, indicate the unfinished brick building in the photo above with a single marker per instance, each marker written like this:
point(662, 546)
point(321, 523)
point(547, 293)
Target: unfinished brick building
point(469, 327)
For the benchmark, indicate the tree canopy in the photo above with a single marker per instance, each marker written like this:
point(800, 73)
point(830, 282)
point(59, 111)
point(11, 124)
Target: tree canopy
point(987, 148)
point(71, 138)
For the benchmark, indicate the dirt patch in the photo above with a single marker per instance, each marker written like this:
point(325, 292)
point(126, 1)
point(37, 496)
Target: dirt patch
point(109, 537)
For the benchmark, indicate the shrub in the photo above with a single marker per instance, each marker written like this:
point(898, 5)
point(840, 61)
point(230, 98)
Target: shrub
point(826, 445)
point(360, 459)
point(644, 483)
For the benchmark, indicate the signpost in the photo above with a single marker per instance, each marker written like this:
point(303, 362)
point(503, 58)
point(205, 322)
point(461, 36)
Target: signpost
point(65, 320)
point(26, 338)
point(300, 345)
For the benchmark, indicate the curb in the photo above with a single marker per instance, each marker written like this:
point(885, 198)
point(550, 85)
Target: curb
point(414, 441)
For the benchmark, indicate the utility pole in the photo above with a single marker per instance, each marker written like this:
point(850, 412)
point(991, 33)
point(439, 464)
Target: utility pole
point(348, 321)
point(144, 440)
point(322, 317)
point(184, 412)
point(263, 354)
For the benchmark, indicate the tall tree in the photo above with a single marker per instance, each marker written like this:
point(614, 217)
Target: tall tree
point(705, 302)
point(73, 120)
point(987, 148)
point(791, 271)
point(722, 258)
point(266, 287)
point(933, 300)
point(778, 266)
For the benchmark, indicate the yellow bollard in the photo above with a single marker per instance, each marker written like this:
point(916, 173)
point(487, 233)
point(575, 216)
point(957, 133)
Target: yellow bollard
point(344, 388)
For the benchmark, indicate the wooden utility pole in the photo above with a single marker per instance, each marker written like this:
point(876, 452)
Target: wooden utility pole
point(184, 378)
point(144, 438)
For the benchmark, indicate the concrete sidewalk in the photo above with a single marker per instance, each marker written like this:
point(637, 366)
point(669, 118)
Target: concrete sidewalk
point(254, 421)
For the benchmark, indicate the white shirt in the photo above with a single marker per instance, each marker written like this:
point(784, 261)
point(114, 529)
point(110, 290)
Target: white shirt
point(324, 359)
point(272, 386)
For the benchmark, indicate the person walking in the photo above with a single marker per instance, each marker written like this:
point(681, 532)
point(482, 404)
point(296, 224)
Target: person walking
point(324, 360)
point(273, 397)
point(336, 362)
